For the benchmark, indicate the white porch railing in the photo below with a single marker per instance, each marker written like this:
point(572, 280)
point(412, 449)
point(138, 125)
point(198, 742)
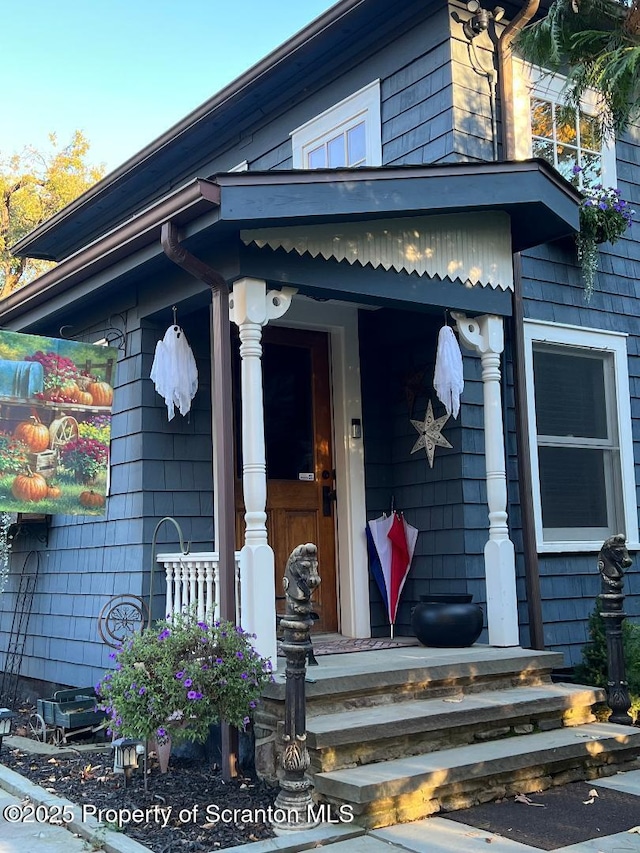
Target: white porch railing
point(193, 580)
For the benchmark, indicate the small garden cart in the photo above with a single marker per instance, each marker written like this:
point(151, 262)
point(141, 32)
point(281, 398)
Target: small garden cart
point(70, 713)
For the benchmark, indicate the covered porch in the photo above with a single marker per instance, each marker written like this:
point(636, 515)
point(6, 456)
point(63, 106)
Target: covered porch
point(422, 246)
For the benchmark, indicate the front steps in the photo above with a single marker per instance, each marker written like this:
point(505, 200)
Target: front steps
point(404, 733)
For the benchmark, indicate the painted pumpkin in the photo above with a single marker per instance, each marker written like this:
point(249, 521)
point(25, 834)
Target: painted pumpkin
point(102, 393)
point(54, 492)
point(91, 500)
point(34, 434)
point(84, 398)
point(70, 389)
point(29, 487)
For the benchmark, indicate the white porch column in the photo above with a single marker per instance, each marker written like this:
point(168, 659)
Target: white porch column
point(251, 308)
point(485, 335)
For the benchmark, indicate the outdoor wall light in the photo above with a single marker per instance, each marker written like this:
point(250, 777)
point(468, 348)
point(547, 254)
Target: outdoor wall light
point(126, 753)
point(6, 718)
point(356, 428)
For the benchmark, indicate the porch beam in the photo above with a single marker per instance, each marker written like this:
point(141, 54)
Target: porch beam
point(485, 335)
point(330, 279)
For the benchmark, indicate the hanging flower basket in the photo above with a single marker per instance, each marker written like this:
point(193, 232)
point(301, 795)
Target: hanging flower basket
point(604, 218)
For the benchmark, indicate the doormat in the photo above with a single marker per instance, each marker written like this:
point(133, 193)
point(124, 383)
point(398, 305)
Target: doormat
point(346, 645)
point(558, 817)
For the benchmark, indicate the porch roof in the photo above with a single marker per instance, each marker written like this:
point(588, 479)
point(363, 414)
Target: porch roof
point(541, 205)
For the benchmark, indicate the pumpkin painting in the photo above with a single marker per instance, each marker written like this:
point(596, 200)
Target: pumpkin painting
point(34, 434)
point(29, 487)
point(54, 492)
point(91, 500)
point(102, 393)
point(84, 398)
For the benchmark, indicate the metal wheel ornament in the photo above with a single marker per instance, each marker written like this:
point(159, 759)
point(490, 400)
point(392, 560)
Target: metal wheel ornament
point(38, 728)
point(122, 616)
point(62, 431)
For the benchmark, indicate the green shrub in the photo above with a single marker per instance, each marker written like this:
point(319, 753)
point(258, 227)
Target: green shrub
point(593, 668)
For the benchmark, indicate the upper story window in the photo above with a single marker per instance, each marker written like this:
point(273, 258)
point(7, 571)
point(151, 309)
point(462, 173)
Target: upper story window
point(582, 454)
point(560, 133)
point(347, 134)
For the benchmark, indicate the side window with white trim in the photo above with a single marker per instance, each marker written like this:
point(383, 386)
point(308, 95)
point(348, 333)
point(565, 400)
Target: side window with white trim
point(346, 135)
point(581, 445)
point(564, 135)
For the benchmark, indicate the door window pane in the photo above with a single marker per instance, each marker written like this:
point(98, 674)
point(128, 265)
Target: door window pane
point(288, 411)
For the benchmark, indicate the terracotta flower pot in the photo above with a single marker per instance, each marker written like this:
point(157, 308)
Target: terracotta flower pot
point(163, 751)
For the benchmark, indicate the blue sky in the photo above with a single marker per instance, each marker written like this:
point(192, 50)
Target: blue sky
point(124, 71)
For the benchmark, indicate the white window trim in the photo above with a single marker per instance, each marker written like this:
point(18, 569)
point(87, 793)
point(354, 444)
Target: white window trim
point(531, 81)
point(363, 103)
point(606, 342)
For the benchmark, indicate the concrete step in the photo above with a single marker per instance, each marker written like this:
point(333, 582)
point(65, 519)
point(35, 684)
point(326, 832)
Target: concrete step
point(383, 732)
point(366, 679)
point(406, 789)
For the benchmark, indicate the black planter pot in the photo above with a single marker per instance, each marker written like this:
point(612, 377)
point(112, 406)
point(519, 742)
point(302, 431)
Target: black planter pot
point(447, 621)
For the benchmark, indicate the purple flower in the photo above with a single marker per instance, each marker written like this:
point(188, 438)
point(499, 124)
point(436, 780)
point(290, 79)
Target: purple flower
point(187, 682)
point(204, 667)
point(180, 675)
point(253, 705)
point(203, 626)
point(219, 660)
point(244, 676)
point(246, 721)
point(161, 732)
point(164, 634)
point(239, 655)
point(112, 655)
point(194, 694)
point(142, 691)
point(576, 170)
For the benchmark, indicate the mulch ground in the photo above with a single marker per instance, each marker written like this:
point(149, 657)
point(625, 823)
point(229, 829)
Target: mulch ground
point(558, 817)
point(196, 796)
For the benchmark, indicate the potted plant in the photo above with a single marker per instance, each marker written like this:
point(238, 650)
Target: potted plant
point(85, 458)
point(173, 681)
point(604, 217)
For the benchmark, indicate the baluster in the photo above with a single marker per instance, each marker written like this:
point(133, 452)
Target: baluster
point(216, 589)
point(193, 588)
point(201, 608)
point(236, 566)
point(168, 608)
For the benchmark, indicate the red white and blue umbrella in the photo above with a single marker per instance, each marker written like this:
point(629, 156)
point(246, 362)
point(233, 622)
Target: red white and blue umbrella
point(391, 542)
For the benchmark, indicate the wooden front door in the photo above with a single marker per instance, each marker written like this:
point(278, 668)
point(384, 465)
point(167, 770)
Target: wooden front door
point(300, 475)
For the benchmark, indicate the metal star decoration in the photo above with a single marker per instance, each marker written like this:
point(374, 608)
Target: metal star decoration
point(430, 434)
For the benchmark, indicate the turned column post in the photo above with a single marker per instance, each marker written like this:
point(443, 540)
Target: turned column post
point(250, 308)
point(485, 335)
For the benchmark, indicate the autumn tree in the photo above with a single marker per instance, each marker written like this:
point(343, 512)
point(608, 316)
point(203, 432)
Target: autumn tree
point(33, 186)
point(597, 44)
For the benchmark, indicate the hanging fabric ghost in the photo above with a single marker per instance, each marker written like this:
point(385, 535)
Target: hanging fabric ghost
point(174, 371)
point(447, 378)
